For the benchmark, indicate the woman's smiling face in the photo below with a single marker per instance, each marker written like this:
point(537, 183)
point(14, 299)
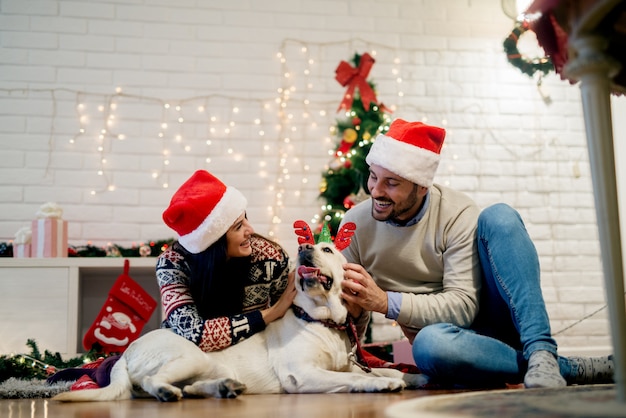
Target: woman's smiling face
point(238, 238)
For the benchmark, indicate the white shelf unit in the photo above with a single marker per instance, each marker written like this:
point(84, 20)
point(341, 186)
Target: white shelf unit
point(54, 301)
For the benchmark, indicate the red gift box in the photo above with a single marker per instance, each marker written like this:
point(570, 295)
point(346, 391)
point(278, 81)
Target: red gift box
point(21, 250)
point(49, 238)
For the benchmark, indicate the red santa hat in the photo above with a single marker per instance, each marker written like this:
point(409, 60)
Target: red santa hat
point(202, 210)
point(409, 149)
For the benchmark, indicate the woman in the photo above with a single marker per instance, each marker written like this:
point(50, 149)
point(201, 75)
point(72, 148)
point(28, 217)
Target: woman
point(220, 282)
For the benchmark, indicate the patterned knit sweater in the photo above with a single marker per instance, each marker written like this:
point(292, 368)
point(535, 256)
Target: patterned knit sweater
point(265, 283)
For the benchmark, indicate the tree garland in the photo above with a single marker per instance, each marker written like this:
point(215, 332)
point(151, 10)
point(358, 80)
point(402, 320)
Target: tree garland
point(36, 365)
point(148, 249)
point(525, 65)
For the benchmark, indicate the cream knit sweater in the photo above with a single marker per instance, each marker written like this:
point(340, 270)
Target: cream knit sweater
point(433, 263)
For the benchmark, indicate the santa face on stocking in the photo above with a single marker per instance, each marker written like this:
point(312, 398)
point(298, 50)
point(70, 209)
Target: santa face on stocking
point(115, 330)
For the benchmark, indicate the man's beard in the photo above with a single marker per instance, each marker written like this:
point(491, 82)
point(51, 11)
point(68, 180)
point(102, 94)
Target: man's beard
point(398, 210)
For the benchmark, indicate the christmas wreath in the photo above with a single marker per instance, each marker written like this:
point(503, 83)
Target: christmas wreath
point(525, 65)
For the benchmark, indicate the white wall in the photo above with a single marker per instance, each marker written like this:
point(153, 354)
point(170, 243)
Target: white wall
point(269, 66)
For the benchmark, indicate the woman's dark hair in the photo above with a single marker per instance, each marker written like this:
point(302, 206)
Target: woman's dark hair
point(216, 283)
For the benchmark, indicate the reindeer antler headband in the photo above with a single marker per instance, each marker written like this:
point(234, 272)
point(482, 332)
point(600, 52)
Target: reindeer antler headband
point(342, 240)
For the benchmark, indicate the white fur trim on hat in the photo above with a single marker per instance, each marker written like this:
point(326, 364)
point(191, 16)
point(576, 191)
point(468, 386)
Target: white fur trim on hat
point(224, 214)
point(413, 163)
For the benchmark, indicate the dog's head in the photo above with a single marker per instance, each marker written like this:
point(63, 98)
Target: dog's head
point(319, 273)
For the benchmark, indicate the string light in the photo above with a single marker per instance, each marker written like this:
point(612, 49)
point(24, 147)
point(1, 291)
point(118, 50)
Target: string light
point(293, 122)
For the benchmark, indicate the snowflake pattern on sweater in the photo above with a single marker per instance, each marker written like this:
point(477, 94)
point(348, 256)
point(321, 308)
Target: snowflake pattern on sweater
point(264, 285)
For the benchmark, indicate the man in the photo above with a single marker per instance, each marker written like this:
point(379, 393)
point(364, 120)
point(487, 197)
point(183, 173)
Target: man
point(464, 285)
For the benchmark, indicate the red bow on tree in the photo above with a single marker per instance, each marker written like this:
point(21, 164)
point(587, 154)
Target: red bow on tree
point(354, 77)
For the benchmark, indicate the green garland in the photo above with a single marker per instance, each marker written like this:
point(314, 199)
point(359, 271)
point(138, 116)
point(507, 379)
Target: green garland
point(525, 65)
point(149, 249)
point(38, 366)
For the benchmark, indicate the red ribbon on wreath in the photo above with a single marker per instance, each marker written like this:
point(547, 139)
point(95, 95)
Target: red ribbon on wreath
point(354, 77)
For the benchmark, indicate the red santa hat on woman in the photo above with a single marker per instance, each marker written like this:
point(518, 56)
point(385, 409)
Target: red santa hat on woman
point(202, 210)
point(410, 150)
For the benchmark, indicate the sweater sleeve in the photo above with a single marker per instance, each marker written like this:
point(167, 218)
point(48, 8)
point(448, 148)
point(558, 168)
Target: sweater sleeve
point(182, 316)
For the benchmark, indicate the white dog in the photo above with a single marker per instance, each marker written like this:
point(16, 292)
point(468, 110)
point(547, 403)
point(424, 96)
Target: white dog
point(305, 351)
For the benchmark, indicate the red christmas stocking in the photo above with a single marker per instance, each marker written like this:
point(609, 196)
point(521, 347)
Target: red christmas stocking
point(121, 319)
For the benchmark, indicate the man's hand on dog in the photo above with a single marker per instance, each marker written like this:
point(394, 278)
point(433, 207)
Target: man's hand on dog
point(361, 292)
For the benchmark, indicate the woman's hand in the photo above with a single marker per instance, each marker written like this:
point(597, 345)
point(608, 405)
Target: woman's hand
point(361, 292)
point(283, 304)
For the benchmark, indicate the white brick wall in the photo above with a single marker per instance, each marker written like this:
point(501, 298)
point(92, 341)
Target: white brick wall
point(505, 143)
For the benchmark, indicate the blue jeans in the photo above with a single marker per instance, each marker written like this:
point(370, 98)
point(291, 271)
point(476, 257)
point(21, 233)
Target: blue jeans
point(512, 322)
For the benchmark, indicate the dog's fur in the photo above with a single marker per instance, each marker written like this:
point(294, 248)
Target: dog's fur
point(292, 355)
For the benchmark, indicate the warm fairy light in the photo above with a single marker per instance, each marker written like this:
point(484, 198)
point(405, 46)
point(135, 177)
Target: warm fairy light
point(284, 125)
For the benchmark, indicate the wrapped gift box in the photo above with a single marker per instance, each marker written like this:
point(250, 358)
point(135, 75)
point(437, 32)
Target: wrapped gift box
point(49, 238)
point(403, 352)
point(21, 243)
point(21, 250)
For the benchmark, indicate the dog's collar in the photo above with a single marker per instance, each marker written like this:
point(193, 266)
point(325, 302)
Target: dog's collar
point(300, 313)
point(348, 326)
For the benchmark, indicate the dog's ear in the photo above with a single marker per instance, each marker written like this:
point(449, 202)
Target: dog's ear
point(304, 233)
point(344, 235)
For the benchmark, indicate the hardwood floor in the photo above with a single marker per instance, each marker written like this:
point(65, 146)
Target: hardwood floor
point(353, 405)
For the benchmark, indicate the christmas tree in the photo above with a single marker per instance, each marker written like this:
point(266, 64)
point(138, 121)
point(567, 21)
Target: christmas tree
point(344, 183)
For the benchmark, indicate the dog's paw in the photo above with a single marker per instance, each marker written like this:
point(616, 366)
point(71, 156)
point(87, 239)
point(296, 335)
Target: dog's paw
point(217, 388)
point(169, 394)
point(383, 384)
point(229, 388)
point(394, 385)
